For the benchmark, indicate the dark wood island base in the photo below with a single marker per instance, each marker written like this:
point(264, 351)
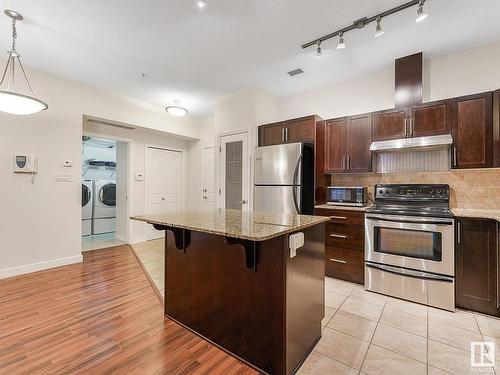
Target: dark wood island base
point(248, 297)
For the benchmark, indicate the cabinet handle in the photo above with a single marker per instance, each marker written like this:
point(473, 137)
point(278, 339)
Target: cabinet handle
point(412, 130)
point(338, 218)
point(338, 235)
point(454, 156)
point(282, 134)
point(338, 260)
point(459, 234)
point(286, 134)
point(406, 127)
point(349, 162)
point(498, 297)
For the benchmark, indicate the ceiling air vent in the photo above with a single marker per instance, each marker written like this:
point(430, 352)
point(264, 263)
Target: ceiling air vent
point(295, 72)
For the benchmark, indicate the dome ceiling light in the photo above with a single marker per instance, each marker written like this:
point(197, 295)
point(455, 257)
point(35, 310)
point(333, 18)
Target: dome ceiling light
point(362, 22)
point(12, 101)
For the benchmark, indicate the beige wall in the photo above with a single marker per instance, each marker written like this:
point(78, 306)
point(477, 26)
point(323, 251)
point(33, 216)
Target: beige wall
point(461, 73)
point(40, 225)
point(479, 188)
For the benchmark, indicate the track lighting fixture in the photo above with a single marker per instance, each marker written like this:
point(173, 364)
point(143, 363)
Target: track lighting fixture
point(362, 22)
point(421, 15)
point(378, 30)
point(341, 44)
point(319, 51)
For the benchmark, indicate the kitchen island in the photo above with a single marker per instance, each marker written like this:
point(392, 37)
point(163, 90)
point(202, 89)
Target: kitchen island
point(231, 277)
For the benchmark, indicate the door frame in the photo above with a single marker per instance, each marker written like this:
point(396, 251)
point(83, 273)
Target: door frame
point(128, 206)
point(203, 150)
point(183, 175)
point(250, 132)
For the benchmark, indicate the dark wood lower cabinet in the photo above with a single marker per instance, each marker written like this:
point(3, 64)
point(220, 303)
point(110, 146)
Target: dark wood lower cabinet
point(344, 244)
point(476, 260)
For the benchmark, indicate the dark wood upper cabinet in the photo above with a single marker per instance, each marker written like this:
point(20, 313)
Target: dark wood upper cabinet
point(272, 134)
point(347, 144)
point(476, 265)
point(297, 130)
point(389, 124)
point(335, 150)
point(496, 128)
point(472, 129)
point(430, 119)
point(300, 130)
point(359, 157)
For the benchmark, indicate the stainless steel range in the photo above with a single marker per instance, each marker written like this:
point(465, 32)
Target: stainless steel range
point(409, 244)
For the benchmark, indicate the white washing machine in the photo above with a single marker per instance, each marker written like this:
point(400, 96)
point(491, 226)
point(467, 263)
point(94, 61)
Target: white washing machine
point(104, 206)
point(87, 206)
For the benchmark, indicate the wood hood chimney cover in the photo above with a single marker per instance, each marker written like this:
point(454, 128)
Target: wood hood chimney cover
point(408, 80)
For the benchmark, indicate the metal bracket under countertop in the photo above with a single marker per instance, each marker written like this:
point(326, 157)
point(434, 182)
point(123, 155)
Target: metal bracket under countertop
point(182, 237)
point(251, 250)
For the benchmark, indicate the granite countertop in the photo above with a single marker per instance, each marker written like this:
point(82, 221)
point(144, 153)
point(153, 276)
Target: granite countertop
point(247, 225)
point(347, 208)
point(482, 213)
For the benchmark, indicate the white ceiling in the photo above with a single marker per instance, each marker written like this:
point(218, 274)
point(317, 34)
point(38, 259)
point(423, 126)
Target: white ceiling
point(196, 56)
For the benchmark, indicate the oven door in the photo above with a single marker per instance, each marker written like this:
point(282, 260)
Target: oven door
point(414, 242)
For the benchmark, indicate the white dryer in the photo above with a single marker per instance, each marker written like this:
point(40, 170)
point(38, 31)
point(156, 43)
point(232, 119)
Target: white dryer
point(104, 206)
point(87, 206)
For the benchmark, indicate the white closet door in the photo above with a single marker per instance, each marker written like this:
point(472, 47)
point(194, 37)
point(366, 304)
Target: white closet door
point(163, 184)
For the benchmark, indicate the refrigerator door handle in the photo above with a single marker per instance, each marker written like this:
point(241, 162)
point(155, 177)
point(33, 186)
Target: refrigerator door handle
point(294, 190)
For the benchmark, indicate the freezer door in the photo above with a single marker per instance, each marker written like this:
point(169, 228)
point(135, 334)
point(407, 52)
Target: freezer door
point(277, 199)
point(277, 165)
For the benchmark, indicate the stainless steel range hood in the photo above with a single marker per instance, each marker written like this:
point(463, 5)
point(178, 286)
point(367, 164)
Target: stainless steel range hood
point(435, 142)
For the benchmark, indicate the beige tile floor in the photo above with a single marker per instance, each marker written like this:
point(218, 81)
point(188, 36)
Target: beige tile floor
point(100, 241)
point(371, 334)
point(151, 255)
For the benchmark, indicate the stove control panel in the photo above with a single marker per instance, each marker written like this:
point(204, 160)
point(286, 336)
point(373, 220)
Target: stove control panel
point(412, 192)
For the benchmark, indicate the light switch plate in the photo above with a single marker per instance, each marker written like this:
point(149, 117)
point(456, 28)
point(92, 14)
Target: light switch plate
point(63, 177)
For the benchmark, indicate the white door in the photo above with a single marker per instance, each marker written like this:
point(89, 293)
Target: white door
point(208, 164)
point(163, 184)
point(235, 166)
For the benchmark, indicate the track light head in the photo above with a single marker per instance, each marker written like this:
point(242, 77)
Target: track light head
point(378, 30)
point(319, 51)
point(201, 4)
point(421, 15)
point(341, 44)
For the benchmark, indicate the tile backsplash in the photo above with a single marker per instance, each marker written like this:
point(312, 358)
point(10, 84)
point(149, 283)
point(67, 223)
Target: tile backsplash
point(478, 188)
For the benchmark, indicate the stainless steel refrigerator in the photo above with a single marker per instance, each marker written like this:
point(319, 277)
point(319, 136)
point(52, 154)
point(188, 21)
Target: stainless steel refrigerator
point(284, 178)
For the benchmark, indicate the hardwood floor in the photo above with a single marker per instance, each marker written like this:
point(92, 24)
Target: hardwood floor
point(98, 317)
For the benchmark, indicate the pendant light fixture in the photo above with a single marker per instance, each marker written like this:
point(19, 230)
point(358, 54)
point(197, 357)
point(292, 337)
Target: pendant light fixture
point(177, 110)
point(12, 101)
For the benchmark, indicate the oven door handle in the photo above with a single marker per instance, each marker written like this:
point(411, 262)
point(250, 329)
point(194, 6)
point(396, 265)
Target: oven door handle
point(409, 273)
point(398, 219)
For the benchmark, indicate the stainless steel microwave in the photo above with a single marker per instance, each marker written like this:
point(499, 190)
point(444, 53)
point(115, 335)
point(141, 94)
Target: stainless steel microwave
point(346, 196)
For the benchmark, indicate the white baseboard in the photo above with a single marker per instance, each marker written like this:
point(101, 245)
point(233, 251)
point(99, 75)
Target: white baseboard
point(28, 268)
point(138, 240)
